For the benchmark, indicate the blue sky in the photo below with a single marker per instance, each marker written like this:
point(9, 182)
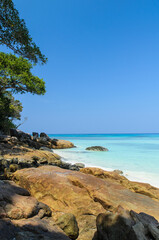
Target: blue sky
point(102, 74)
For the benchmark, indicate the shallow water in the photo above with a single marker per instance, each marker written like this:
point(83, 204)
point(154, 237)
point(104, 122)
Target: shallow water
point(137, 155)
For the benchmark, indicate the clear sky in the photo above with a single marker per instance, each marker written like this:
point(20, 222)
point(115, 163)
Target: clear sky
point(102, 74)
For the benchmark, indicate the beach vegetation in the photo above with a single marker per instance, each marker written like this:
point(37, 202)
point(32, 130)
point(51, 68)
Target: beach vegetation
point(15, 35)
point(16, 69)
point(16, 75)
point(10, 110)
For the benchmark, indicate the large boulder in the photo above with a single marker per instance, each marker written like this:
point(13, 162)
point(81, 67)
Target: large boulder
point(116, 177)
point(97, 148)
point(23, 217)
point(67, 222)
point(83, 195)
point(124, 225)
point(60, 144)
point(44, 135)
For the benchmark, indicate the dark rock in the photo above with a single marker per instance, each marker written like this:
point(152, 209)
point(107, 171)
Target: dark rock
point(144, 218)
point(44, 135)
point(35, 135)
point(4, 138)
point(79, 165)
point(46, 149)
point(36, 158)
point(19, 134)
point(23, 217)
point(61, 164)
point(97, 148)
point(4, 163)
point(32, 144)
point(46, 210)
point(14, 160)
point(43, 140)
point(54, 141)
point(27, 163)
point(154, 231)
point(66, 165)
point(43, 161)
point(74, 168)
point(14, 167)
point(125, 225)
point(138, 232)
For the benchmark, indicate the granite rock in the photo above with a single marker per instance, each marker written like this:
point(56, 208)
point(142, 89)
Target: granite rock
point(97, 148)
point(83, 195)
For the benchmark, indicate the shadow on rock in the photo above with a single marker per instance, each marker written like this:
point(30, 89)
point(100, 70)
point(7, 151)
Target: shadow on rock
point(23, 217)
point(126, 225)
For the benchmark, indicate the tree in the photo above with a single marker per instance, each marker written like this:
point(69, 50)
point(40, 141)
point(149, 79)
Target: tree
point(15, 72)
point(10, 110)
point(16, 76)
point(15, 35)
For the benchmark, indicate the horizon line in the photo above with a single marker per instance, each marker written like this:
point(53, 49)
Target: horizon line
point(99, 133)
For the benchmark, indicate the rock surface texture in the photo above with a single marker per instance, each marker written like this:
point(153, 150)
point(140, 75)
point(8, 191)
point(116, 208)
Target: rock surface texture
point(23, 217)
point(97, 148)
point(83, 195)
point(67, 222)
point(24, 151)
point(115, 176)
point(126, 225)
point(27, 158)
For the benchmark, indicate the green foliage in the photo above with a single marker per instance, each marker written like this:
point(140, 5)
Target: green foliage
point(10, 110)
point(15, 35)
point(15, 74)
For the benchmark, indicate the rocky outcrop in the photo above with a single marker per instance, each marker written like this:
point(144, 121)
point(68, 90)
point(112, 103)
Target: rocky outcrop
point(20, 135)
point(34, 141)
point(11, 162)
point(23, 217)
point(20, 157)
point(126, 225)
point(44, 135)
point(22, 140)
point(83, 195)
point(76, 198)
point(116, 177)
point(97, 148)
point(22, 150)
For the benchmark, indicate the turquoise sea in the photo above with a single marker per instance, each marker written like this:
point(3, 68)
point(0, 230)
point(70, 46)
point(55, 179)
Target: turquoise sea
point(137, 155)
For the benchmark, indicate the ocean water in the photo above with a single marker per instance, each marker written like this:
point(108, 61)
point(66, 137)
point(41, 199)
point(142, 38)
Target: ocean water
point(137, 155)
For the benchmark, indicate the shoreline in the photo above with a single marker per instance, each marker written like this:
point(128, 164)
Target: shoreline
point(140, 177)
point(65, 188)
